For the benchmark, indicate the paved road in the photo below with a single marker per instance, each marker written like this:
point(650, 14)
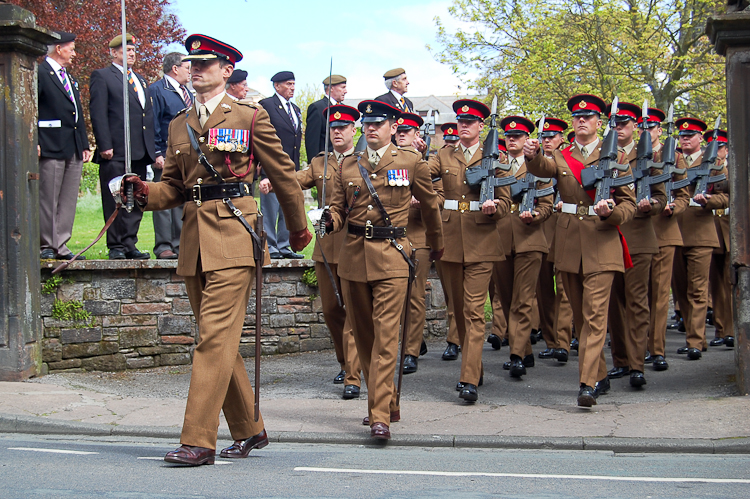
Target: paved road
point(96, 468)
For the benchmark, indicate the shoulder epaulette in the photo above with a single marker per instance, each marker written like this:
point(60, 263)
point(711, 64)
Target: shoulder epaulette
point(181, 111)
point(248, 104)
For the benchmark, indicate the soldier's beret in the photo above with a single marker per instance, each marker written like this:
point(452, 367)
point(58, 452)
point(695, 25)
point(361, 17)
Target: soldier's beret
point(66, 37)
point(282, 76)
point(117, 41)
point(238, 75)
point(392, 73)
point(334, 80)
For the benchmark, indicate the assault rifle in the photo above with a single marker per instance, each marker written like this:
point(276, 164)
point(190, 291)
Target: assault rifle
point(605, 175)
point(427, 130)
point(484, 174)
point(527, 191)
point(701, 176)
point(643, 165)
point(669, 160)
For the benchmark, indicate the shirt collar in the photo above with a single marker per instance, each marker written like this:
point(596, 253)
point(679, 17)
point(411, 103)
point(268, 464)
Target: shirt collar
point(590, 146)
point(472, 149)
point(345, 153)
point(397, 95)
point(380, 151)
point(55, 65)
point(172, 82)
point(283, 101)
point(212, 103)
point(628, 148)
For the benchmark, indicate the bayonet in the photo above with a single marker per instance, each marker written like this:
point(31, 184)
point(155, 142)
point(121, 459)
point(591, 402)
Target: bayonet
point(701, 175)
point(645, 153)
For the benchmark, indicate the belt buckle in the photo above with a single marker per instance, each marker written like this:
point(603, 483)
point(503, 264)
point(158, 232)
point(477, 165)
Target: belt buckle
point(369, 230)
point(582, 210)
point(720, 212)
point(513, 207)
point(197, 194)
point(463, 205)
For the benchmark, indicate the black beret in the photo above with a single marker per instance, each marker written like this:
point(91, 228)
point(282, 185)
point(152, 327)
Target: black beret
point(282, 76)
point(65, 37)
point(237, 76)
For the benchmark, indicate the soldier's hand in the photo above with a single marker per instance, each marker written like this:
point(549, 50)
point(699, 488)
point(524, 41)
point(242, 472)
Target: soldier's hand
point(528, 216)
point(299, 239)
point(265, 186)
point(668, 210)
point(107, 154)
point(140, 188)
point(604, 207)
point(644, 205)
point(702, 199)
point(436, 254)
point(530, 149)
point(415, 202)
point(489, 207)
point(327, 219)
point(158, 163)
point(86, 155)
point(419, 144)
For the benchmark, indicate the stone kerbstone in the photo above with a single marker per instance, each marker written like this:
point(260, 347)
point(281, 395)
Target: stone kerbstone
point(81, 350)
point(114, 362)
point(65, 364)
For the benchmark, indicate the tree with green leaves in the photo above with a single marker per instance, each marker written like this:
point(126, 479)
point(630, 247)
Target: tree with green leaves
point(535, 54)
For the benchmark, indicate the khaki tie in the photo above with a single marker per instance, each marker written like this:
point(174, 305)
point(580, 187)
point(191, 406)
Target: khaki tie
point(203, 115)
point(514, 165)
point(584, 152)
point(467, 155)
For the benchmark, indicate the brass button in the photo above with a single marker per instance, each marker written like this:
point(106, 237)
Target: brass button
point(369, 207)
point(580, 202)
point(580, 218)
point(565, 173)
point(463, 196)
point(144, 127)
point(177, 151)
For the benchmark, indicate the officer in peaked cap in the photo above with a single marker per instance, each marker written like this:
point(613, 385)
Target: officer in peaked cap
point(216, 254)
point(588, 270)
point(654, 118)
point(690, 126)
point(407, 132)
point(450, 133)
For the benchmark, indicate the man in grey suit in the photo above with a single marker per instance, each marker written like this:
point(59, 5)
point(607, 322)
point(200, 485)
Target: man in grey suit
point(286, 118)
point(315, 132)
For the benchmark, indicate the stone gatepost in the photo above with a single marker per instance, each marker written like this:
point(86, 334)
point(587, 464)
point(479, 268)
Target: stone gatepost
point(731, 35)
point(21, 42)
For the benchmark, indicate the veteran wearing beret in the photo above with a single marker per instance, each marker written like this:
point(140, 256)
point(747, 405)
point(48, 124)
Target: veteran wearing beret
point(315, 131)
point(216, 257)
point(236, 86)
point(396, 82)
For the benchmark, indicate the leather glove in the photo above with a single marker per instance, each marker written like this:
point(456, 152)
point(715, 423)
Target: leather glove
point(436, 254)
point(327, 220)
point(299, 239)
point(140, 189)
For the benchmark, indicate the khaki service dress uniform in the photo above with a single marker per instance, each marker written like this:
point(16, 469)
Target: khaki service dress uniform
point(720, 275)
point(216, 258)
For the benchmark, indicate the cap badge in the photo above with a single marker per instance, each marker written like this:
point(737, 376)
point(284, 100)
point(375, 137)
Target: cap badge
point(196, 44)
point(512, 124)
point(685, 125)
point(400, 121)
point(465, 109)
point(583, 104)
point(546, 124)
point(368, 110)
point(336, 115)
point(450, 131)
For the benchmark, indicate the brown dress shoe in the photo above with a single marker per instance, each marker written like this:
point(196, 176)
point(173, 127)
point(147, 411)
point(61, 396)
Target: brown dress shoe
point(167, 255)
point(192, 456)
point(380, 431)
point(242, 448)
point(395, 418)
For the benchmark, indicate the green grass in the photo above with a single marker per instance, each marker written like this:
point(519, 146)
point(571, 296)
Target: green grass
point(90, 220)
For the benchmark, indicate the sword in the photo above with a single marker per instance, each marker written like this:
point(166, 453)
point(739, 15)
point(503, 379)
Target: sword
point(258, 257)
point(129, 202)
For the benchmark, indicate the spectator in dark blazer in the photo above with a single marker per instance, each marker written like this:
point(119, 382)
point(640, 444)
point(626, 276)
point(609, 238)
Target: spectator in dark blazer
point(396, 83)
point(63, 148)
point(169, 96)
point(107, 118)
point(315, 132)
point(236, 85)
point(286, 118)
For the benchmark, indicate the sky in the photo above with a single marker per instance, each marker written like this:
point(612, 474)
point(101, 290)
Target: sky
point(365, 39)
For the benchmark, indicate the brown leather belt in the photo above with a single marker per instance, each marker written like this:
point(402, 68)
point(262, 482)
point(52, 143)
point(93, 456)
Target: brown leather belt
point(206, 192)
point(373, 232)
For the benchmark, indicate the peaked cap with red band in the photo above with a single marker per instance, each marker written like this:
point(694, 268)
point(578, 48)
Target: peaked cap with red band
point(552, 126)
point(722, 138)
point(501, 145)
point(468, 109)
point(655, 117)
point(204, 48)
point(571, 137)
point(408, 120)
point(374, 111)
point(450, 131)
point(586, 105)
point(690, 126)
point(625, 112)
point(341, 115)
point(516, 125)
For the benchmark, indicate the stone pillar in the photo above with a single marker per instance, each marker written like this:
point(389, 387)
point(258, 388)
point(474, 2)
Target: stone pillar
point(731, 35)
point(21, 42)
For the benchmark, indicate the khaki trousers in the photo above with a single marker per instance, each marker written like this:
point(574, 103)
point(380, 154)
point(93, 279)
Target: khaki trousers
point(589, 299)
point(219, 380)
point(661, 279)
point(721, 294)
point(499, 314)
point(690, 276)
point(629, 314)
point(563, 314)
point(415, 332)
point(376, 319)
point(338, 324)
point(467, 285)
point(545, 301)
point(450, 318)
point(516, 280)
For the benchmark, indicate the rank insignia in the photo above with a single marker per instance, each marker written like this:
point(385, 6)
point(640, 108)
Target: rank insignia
point(583, 104)
point(398, 178)
point(336, 115)
point(196, 45)
point(225, 105)
point(465, 109)
point(513, 124)
point(229, 140)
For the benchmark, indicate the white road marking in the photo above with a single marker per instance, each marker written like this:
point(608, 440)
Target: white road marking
point(526, 475)
point(53, 451)
point(162, 459)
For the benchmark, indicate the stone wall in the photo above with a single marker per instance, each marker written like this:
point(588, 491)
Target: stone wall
point(141, 316)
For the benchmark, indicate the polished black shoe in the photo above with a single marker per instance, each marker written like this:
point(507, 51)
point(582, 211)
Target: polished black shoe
point(292, 255)
point(729, 342)
point(539, 335)
point(675, 320)
point(423, 349)
point(517, 369)
point(601, 387)
point(682, 350)
point(574, 344)
point(528, 360)
point(586, 396)
point(350, 392)
point(339, 379)
point(242, 448)
point(681, 326)
point(191, 456)
point(660, 363)
point(469, 393)
point(716, 342)
point(137, 255)
point(710, 316)
point(693, 354)
point(560, 355)
point(70, 256)
point(637, 379)
point(618, 372)
point(451, 352)
point(505, 342)
point(410, 364)
point(460, 386)
point(48, 254)
point(116, 254)
point(532, 337)
point(547, 353)
point(275, 255)
point(495, 341)
point(649, 358)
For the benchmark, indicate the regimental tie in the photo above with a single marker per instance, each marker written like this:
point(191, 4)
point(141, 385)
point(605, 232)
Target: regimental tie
point(403, 105)
point(186, 96)
point(66, 84)
point(131, 80)
point(291, 118)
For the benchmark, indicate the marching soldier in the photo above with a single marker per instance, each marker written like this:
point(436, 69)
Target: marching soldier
point(216, 251)
point(721, 285)
point(699, 237)
point(471, 228)
point(450, 134)
point(628, 304)
point(342, 130)
point(668, 237)
point(524, 242)
point(371, 200)
point(588, 247)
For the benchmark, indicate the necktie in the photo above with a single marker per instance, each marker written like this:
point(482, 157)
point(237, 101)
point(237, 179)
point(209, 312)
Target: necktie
point(514, 165)
point(203, 115)
point(186, 96)
point(131, 80)
point(584, 152)
point(66, 84)
point(403, 105)
point(467, 155)
point(291, 117)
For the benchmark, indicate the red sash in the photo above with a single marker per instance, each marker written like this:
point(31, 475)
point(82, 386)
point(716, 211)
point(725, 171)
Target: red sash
point(576, 167)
